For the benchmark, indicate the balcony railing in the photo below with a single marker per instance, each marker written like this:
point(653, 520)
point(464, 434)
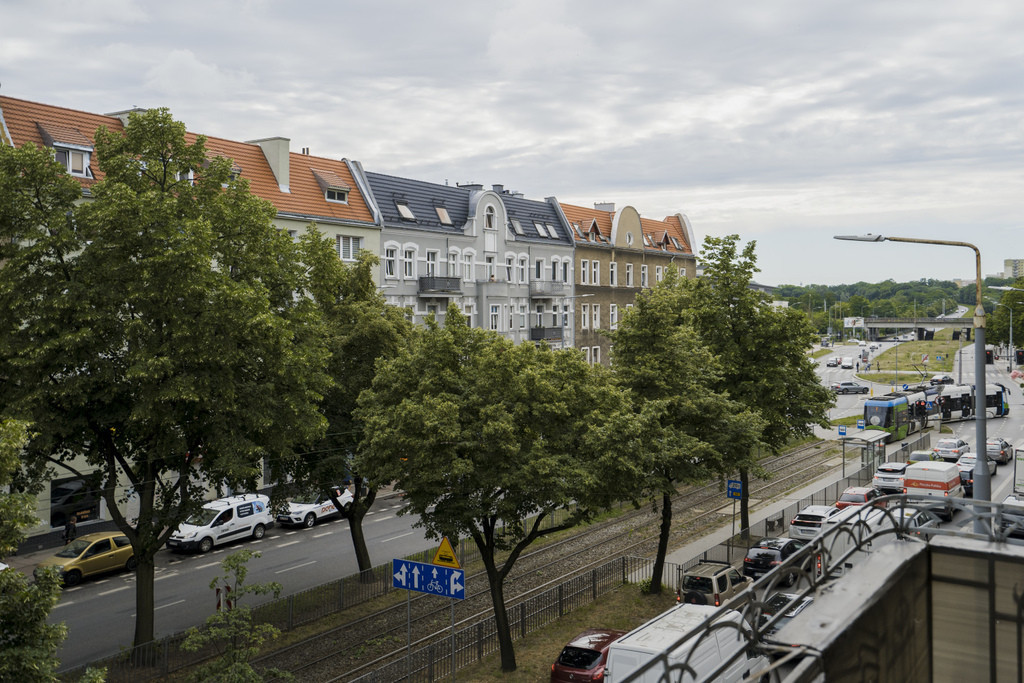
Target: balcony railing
point(434, 284)
point(548, 288)
point(545, 333)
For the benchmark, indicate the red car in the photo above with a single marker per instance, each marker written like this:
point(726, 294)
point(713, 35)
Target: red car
point(859, 495)
point(583, 659)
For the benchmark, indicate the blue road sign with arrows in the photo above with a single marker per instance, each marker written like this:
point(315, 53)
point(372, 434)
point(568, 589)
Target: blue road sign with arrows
point(428, 578)
point(734, 488)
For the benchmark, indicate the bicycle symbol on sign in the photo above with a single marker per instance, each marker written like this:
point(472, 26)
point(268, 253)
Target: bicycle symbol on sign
point(435, 587)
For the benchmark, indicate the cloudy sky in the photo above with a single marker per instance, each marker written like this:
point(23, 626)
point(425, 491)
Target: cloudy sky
point(786, 122)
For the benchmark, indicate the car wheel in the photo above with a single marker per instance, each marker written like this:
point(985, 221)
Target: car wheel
point(695, 598)
point(309, 521)
point(132, 564)
point(72, 578)
point(206, 545)
point(258, 532)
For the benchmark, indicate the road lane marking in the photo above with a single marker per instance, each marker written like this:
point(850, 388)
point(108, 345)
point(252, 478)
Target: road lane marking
point(208, 564)
point(114, 590)
point(306, 564)
point(165, 576)
point(395, 538)
point(285, 545)
point(322, 533)
point(63, 604)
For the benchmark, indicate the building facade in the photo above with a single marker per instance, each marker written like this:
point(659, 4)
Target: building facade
point(619, 254)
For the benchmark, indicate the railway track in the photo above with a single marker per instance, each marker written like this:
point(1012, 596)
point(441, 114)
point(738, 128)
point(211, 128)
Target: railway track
point(365, 643)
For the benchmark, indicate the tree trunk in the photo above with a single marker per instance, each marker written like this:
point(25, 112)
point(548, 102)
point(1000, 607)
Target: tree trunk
point(144, 599)
point(355, 527)
point(666, 529)
point(501, 626)
point(745, 505)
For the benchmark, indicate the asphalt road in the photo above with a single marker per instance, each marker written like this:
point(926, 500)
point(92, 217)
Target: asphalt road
point(100, 614)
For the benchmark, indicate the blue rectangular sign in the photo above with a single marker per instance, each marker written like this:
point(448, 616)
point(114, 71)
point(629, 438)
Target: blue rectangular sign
point(734, 489)
point(842, 430)
point(860, 424)
point(428, 578)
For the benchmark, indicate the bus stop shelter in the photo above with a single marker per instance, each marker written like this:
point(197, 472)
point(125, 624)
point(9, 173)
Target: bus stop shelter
point(872, 447)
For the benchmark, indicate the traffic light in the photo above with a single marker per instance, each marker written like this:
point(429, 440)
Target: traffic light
point(1020, 356)
point(988, 357)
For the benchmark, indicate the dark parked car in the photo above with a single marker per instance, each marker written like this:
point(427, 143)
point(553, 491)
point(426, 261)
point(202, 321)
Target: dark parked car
point(967, 481)
point(768, 554)
point(849, 388)
point(942, 379)
point(584, 658)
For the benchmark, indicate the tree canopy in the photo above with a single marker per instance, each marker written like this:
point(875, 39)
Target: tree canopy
point(488, 440)
point(153, 327)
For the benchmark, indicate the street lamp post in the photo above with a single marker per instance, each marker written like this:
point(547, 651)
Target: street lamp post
point(982, 478)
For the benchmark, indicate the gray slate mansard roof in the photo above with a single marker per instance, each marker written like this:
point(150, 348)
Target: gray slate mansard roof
point(423, 198)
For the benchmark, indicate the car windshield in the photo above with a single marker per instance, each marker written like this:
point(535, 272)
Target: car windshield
point(202, 518)
point(697, 583)
point(852, 498)
point(307, 498)
point(579, 657)
point(74, 549)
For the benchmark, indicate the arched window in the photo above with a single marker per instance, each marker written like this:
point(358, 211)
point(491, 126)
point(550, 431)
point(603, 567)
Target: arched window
point(489, 219)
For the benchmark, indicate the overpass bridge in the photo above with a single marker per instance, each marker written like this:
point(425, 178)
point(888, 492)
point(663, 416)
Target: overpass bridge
point(918, 325)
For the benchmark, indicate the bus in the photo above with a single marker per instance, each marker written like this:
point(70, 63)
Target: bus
point(901, 412)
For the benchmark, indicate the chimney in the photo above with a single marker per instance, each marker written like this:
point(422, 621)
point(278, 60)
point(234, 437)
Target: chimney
point(605, 206)
point(123, 115)
point(498, 188)
point(276, 151)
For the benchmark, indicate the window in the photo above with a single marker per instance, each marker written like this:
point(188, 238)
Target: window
point(586, 353)
point(508, 314)
point(540, 229)
point(333, 194)
point(76, 162)
point(613, 273)
point(629, 239)
point(509, 265)
point(540, 315)
point(643, 275)
point(453, 264)
point(442, 215)
point(595, 276)
point(409, 264)
point(584, 271)
point(538, 270)
point(551, 231)
point(489, 218)
point(597, 316)
point(613, 316)
point(467, 267)
point(517, 226)
point(495, 316)
point(565, 271)
point(522, 316)
point(554, 270)
point(596, 355)
point(390, 262)
point(629, 274)
point(348, 247)
point(522, 269)
point(404, 211)
point(469, 314)
point(431, 263)
point(489, 260)
point(554, 315)
point(657, 273)
point(584, 316)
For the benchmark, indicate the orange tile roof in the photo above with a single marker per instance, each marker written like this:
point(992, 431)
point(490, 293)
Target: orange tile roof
point(585, 218)
point(662, 232)
point(30, 121)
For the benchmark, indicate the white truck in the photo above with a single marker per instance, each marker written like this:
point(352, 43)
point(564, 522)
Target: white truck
point(699, 655)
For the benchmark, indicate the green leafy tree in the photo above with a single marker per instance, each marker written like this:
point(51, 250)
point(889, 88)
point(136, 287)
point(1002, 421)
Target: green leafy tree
point(28, 644)
point(359, 329)
point(762, 349)
point(997, 329)
point(685, 429)
point(231, 630)
point(489, 440)
point(151, 335)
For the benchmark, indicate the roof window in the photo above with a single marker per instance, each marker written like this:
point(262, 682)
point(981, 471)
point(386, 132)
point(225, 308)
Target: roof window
point(332, 185)
point(552, 233)
point(517, 226)
point(540, 229)
point(404, 211)
point(71, 148)
point(442, 215)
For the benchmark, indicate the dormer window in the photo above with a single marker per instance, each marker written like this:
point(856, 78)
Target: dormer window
point(333, 186)
point(71, 149)
point(76, 162)
point(676, 244)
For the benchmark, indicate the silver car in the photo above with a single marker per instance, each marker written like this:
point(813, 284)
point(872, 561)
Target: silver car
point(951, 449)
point(809, 521)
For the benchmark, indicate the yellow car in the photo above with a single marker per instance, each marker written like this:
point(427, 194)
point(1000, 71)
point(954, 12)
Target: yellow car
point(91, 554)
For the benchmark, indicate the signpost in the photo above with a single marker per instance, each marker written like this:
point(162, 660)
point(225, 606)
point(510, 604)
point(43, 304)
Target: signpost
point(444, 577)
point(734, 490)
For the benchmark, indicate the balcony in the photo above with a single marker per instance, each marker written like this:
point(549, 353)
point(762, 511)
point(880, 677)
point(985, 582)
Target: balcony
point(545, 333)
point(548, 288)
point(436, 285)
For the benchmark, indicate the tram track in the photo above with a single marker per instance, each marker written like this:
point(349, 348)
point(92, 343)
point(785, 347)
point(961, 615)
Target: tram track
point(365, 643)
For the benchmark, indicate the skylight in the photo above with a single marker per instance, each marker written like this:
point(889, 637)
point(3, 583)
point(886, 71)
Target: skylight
point(517, 226)
point(552, 233)
point(404, 211)
point(540, 229)
point(442, 215)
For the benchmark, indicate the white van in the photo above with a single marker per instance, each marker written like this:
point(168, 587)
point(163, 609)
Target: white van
point(934, 478)
point(847, 362)
point(223, 520)
point(703, 653)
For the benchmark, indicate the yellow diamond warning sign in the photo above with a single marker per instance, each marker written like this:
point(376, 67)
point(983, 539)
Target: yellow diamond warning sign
point(445, 555)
